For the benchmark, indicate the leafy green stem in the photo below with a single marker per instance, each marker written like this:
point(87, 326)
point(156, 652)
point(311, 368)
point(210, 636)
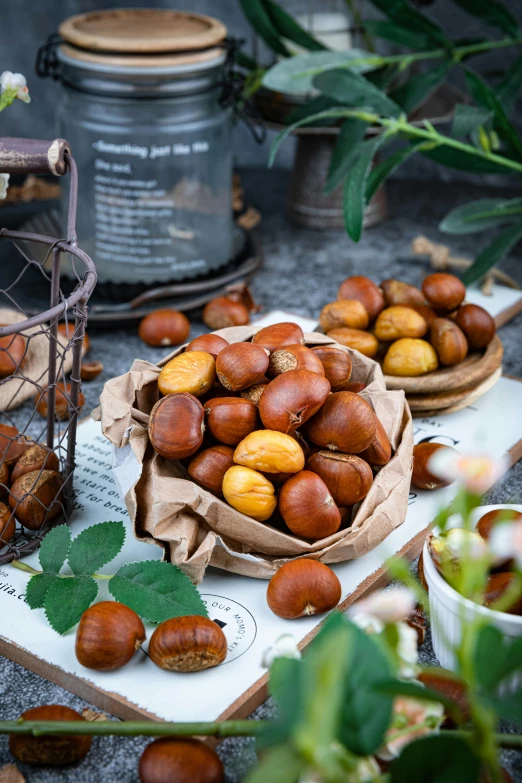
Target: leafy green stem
point(506, 741)
point(231, 728)
point(30, 570)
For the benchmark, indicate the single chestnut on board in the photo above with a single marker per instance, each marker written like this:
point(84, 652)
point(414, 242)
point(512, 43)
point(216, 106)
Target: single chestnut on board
point(422, 478)
point(180, 760)
point(108, 635)
point(477, 324)
point(303, 587)
point(176, 426)
point(50, 750)
point(188, 644)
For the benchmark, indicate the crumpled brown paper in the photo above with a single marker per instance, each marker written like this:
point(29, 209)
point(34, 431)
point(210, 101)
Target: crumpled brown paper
point(197, 529)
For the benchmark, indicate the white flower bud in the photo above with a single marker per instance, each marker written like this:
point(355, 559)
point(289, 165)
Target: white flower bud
point(284, 647)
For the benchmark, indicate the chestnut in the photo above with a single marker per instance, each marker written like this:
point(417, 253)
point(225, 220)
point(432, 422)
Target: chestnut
point(4, 477)
point(277, 336)
point(35, 497)
point(188, 644)
point(293, 357)
point(348, 477)
point(12, 445)
point(353, 386)
point(365, 291)
point(108, 635)
point(443, 291)
point(291, 399)
point(89, 371)
point(62, 404)
point(301, 588)
point(410, 357)
point(477, 325)
point(36, 457)
point(399, 321)
point(241, 365)
point(249, 492)
point(427, 312)
point(357, 339)
point(176, 426)
point(449, 341)
point(54, 750)
point(344, 312)
point(68, 330)
point(452, 687)
point(379, 451)
point(230, 419)
point(421, 477)
point(337, 364)
point(208, 467)
point(398, 293)
point(489, 520)
point(209, 343)
point(222, 312)
point(12, 353)
point(496, 587)
point(192, 372)
point(307, 507)
point(270, 451)
point(253, 393)
point(7, 525)
point(180, 760)
point(345, 423)
point(164, 327)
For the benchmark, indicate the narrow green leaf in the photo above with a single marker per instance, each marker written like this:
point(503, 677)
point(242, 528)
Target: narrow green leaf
point(279, 139)
point(279, 765)
point(442, 759)
point(37, 588)
point(481, 215)
point(354, 196)
point(485, 96)
point(295, 74)
point(463, 161)
point(467, 119)
point(383, 77)
point(416, 691)
point(508, 706)
point(67, 600)
point(493, 13)
point(398, 34)
point(418, 89)
point(156, 590)
point(285, 687)
point(352, 89)
point(96, 546)
point(256, 13)
point(496, 657)
point(287, 26)
point(493, 254)
point(54, 549)
point(510, 86)
point(352, 132)
point(405, 15)
point(381, 171)
point(245, 61)
point(315, 106)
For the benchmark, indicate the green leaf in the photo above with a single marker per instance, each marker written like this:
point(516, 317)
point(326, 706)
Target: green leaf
point(467, 119)
point(396, 33)
point(481, 215)
point(285, 687)
point(54, 549)
point(485, 96)
point(244, 61)
point(352, 132)
point(295, 75)
point(442, 759)
point(496, 657)
point(493, 13)
point(508, 706)
point(509, 87)
point(404, 15)
point(493, 254)
point(156, 591)
point(96, 546)
point(315, 106)
point(256, 13)
point(37, 588)
point(67, 600)
point(279, 139)
point(463, 161)
point(385, 168)
point(418, 89)
point(352, 89)
point(415, 690)
point(354, 196)
point(290, 29)
point(279, 765)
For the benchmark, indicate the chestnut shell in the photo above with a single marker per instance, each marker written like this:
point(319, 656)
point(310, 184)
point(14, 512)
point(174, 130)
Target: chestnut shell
point(230, 419)
point(176, 425)
point(291, 399)
point(303, 587)
point(180, 760)
point(348, 477)
point(345, 423)
point(188, 644)
point(307, 506)
point(108, 635)
point(55, 751)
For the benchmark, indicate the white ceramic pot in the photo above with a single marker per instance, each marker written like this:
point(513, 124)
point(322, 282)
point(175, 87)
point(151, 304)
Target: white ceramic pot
point(449, 611)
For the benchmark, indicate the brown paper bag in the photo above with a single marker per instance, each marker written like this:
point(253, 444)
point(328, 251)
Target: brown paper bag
point(196, 529)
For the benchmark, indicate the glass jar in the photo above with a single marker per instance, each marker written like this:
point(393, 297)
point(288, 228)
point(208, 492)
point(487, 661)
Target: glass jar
point(151, 140)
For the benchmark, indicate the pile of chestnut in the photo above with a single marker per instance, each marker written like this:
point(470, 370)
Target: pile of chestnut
point(413, 331)
point(271, 426)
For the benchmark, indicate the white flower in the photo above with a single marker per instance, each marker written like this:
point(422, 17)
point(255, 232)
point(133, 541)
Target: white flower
point(15, 81)
point(505, 541)
point(366, 622)
point(4, 181)
point(284, 647)
point(408, 713)
point(476, 472)
point(407, 650)
point(390, 606)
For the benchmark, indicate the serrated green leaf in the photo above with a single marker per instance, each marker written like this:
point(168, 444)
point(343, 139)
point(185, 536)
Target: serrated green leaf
point(279, 765)
point(481, 215)
point(510, 86)
point(96, 546)
point(54, 549)
point(67, 600)
point(37, 588)
point(381, 171)
point(493, 13)
point(156, 591)
point(295, 74)
point(352, 89)
point(287, 26)
point(493, 254)
point(396, 33)
point(443, 759)
point(351, 133)
point(258, 16)
point(406, 16)
point(354, 195)
point(418, 89)
point(467, 119)
point(486, 97)
point(463, 161)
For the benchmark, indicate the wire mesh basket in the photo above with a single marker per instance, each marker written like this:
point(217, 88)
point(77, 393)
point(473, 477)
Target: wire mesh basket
point(40, 361)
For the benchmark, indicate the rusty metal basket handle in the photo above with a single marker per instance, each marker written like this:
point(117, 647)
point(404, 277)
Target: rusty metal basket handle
point(33, 156)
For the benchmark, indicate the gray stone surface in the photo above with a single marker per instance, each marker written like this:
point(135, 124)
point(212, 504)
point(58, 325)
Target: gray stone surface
point(302, 271)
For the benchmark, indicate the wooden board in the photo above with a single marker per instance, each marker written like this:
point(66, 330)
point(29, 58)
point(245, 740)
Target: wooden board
point(449, 402)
